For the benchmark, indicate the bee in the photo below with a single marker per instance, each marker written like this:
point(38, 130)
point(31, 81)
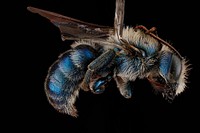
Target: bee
point(102, 53)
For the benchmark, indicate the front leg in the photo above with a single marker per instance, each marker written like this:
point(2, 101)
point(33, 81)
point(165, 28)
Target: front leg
point(124, 86)
point(98, 73)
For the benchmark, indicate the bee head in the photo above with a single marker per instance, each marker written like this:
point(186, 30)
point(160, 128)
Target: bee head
point(170, 77)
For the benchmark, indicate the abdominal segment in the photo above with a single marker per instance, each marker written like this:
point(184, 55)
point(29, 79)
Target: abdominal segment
point(64, 77)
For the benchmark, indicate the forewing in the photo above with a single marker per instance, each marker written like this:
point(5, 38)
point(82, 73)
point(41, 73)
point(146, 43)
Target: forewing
point(73, 29)
point(119, 17)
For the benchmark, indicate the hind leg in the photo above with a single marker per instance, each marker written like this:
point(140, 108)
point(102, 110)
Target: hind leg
point(99, 73)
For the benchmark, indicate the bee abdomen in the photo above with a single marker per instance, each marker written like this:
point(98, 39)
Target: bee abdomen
point(64, 77)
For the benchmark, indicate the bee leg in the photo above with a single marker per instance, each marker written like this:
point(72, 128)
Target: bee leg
point(97, 69)
point(98, 85)
point(124, 86)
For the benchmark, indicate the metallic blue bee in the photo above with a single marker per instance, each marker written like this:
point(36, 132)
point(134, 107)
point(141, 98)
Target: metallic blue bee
point(100, 54)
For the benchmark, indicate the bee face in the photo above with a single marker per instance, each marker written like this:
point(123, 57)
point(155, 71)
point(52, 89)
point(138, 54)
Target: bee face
point(170, 76)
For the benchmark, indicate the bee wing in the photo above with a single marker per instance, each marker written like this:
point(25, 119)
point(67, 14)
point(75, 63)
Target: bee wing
point(73, 29)
point(119, 17)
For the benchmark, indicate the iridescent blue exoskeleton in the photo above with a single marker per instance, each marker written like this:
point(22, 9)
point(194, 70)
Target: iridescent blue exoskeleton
point(100, 54)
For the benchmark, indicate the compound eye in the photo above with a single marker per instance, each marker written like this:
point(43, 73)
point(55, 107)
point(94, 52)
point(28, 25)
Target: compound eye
point(176, 68)
point(170, 67)
point(165, 64)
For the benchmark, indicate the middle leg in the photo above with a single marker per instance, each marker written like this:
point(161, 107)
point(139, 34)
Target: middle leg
point(99, 72)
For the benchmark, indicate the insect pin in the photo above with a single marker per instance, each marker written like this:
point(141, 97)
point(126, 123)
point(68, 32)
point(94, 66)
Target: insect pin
point(102, 53)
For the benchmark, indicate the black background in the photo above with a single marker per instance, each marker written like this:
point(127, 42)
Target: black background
point(34, 44)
